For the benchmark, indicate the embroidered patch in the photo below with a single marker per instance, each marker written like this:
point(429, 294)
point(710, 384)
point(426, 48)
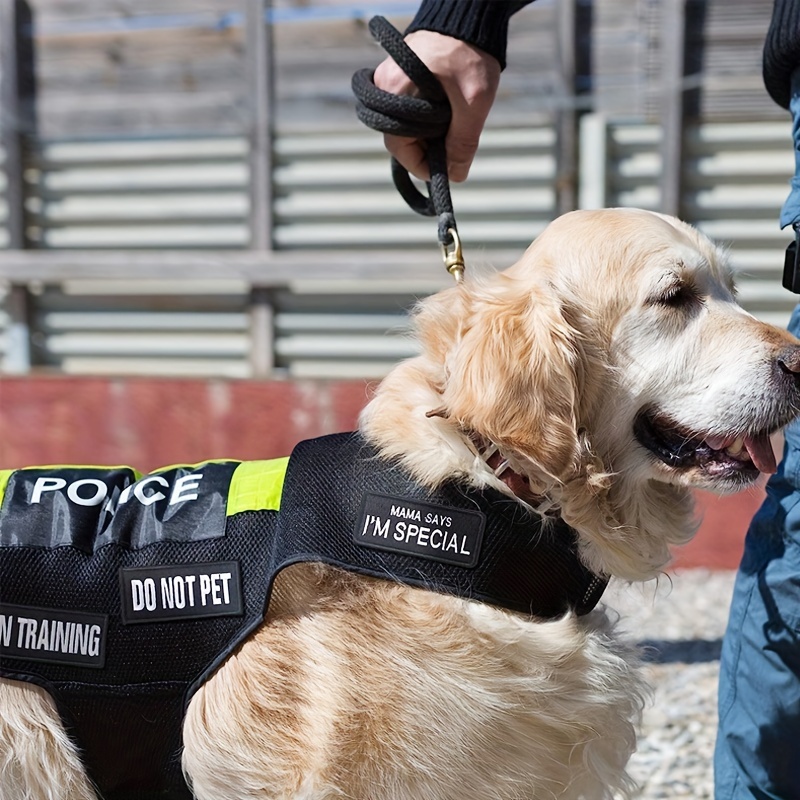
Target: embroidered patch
point(180, 591)
point(411, 527)
point(76, 638)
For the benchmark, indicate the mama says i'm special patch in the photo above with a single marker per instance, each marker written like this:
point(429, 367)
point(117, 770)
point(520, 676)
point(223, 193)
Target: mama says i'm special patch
point(412, 527)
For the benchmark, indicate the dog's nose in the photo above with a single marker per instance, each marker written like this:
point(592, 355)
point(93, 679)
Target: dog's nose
point(789, 361)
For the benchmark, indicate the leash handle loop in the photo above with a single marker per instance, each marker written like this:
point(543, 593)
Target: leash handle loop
point(426, 117)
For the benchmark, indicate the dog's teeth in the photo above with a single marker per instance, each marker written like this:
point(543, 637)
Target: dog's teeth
point(736, 448)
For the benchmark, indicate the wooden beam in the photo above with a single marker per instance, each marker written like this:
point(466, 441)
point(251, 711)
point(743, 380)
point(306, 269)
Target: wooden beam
point(262, 333)
point(673, 41)
point(261, 92)
point(593, 166)
point(259, 269)
point(260, 79)
point(17, 123)
point(15, 117)
point(18, 349)
point(566, 115)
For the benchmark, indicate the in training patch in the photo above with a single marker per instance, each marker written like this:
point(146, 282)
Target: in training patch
point(180, 592)
point(438, 533)
point(54, 636)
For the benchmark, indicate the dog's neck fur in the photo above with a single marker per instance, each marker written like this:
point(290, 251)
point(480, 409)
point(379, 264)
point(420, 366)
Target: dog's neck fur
point(626, 529)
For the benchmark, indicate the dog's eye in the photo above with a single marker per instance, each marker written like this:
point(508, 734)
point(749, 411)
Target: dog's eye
point(679, 295)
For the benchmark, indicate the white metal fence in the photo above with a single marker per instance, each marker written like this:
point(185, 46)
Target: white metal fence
point(330, 190)
point(180, 201)
point(335, 207)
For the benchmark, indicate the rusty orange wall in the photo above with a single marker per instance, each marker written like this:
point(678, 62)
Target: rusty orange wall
point(148, 423)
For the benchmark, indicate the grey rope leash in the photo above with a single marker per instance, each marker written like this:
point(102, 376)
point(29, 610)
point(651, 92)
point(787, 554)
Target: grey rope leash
point(426, 117)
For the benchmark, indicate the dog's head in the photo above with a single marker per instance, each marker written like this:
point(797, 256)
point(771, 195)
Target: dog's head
point(612, 367)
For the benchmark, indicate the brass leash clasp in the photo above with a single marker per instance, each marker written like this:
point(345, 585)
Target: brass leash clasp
point(453, 257)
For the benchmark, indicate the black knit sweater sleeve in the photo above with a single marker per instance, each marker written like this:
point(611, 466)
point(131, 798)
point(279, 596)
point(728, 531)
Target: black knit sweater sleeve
point(482, 23)
point(782, 50)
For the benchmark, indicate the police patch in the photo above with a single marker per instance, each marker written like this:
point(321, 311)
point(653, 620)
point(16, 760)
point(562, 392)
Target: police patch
point(411, 527)
point(91, 507)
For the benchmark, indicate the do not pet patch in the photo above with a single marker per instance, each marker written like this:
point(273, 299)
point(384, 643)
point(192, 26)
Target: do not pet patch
point(180, 591)
point(412, 527)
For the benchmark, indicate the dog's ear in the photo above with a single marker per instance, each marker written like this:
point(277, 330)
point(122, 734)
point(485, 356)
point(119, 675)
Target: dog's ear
point(513, 373)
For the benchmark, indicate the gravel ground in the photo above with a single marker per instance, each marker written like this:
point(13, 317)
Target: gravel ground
point(680, 621)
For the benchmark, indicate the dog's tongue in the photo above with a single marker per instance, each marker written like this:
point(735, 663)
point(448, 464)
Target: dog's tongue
point(761, 453)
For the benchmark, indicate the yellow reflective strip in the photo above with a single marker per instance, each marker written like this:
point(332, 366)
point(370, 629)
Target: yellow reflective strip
point(257, 486)
point(100, 467)
point(195, 466)
point(5, 475)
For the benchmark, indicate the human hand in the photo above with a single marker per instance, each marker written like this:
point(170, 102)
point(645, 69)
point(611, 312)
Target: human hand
point(470, 79)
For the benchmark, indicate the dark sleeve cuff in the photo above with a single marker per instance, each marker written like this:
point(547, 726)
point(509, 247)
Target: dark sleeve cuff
point(482, 23)
point(782, 50)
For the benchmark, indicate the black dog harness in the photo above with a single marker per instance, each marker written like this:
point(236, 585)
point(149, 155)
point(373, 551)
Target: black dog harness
point(121, 594)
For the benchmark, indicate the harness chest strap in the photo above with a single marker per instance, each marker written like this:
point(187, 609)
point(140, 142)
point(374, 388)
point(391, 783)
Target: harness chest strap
point(182, 562)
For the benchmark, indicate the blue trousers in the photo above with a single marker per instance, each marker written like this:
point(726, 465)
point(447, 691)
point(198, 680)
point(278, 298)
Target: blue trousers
point(758, 743)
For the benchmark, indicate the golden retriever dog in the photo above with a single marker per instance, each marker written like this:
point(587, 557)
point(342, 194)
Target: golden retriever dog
point(600, 378)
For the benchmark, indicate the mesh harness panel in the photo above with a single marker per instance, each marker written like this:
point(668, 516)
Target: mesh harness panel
point(341, 505)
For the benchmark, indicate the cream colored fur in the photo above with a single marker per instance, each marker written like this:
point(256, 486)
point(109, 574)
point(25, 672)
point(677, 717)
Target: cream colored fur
point(368, 690)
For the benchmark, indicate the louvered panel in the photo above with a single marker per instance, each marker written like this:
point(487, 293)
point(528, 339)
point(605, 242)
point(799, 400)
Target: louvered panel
point(332, 191)
point(634, 166)
point(178, 66)
point(139, 193)
point(328, 335)
point(102, 68)
point(168, 367)
point(346, 199)
point(736, 177)
point(726, 41)
point(161, 193)
point(315, 334)
point(129, 334)
point(621, 46)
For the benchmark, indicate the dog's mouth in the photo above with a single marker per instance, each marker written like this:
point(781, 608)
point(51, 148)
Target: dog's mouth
point(738, 456)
